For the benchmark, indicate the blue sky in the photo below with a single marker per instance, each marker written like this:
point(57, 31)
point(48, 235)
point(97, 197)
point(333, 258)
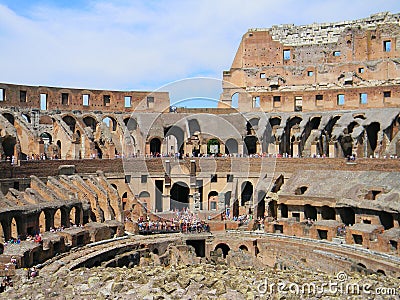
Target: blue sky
point(145, 45)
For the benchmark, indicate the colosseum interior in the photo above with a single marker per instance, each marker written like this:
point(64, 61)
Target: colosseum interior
point(305, 144)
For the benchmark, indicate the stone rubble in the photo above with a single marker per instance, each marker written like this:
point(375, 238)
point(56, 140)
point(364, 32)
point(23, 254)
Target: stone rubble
point(197, 281)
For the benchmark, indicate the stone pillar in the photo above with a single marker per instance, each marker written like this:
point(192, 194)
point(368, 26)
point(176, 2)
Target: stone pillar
point(191, 201)
point(166, 202)
point(240, 149)
point(189, 148)
point(313, 149)
point(41, 147)
point(276, 147)
point(332, 150)
point(258, 148)
point(319, 215)
point(196, 201)
point(222, 148)
point(111, 151)
point(295, 149)
point(221, 202)
point(147, 149)
point(203, 148)
point(278, 212)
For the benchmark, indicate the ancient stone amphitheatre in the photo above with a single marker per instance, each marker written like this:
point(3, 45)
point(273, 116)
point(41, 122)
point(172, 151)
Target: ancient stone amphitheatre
point(289, 189)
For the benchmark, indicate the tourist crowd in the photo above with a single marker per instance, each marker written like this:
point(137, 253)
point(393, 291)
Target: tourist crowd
point(183, 221)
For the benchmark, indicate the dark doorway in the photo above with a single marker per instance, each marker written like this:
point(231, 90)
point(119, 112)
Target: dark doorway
point(247, 192)
point(199, 246)
point(155, 146)
point(328, 213)
point(386, 219)
point(261, 204)
point(284, 211)
point(236, 208)
point(310, 212)
point(250, 145)
point(179, 196)
point(8, 145)
point(225, 249)
point(347, 215)
point(372, 134)
point(159, 192)
point(199, 185)
point(322, 234)
point(231, 146)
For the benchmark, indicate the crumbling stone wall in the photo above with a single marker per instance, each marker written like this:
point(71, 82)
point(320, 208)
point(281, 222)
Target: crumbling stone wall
point(306, 68)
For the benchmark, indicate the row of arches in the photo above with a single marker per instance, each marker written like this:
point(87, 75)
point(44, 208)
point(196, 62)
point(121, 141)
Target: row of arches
point(346, 214)
point(19, 226)
point(180, 198)
point(213, 146)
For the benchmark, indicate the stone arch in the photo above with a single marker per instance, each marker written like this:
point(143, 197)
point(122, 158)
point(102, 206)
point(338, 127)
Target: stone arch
point(252, 126)
point(362, 265)
point(114, 186)
point(386, 219)
point(179, 135)
point(130, 123)
point(212, 197)
point(288, 135)
point(213, 146)
point(247, 192)
point(326, 134)
point(73, 218)
point(46, 137)
point(2, 237)
point(284, 210)
point(98, 150)
point(26, 117)
point(346, 142)
point(328, 213)
point(372, 135)
point(231, 146)
point(310, 212)
point(110, 122)
point(10, 118)
point(124, 199)
point(43, 222)
point(179, 196)
point(315, 121)
point(70, 121)
point(274, 121)
point(235, 100)
point(144, 196)
point(224, 248)
point(59, 149)
point(351, 126)
point(228, 196)
point(91, 122)
point(273, 209)
point(381, 272)
point(57, 218)
point(250, 145)
point(261, 203)
point(194, 126)
point(347, 215)
point(14, 228)
point(155, 145)
point(243, 248)
point(8, 143)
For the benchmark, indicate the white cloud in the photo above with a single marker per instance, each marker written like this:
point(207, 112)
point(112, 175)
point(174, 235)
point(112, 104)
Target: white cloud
point(145, 44)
